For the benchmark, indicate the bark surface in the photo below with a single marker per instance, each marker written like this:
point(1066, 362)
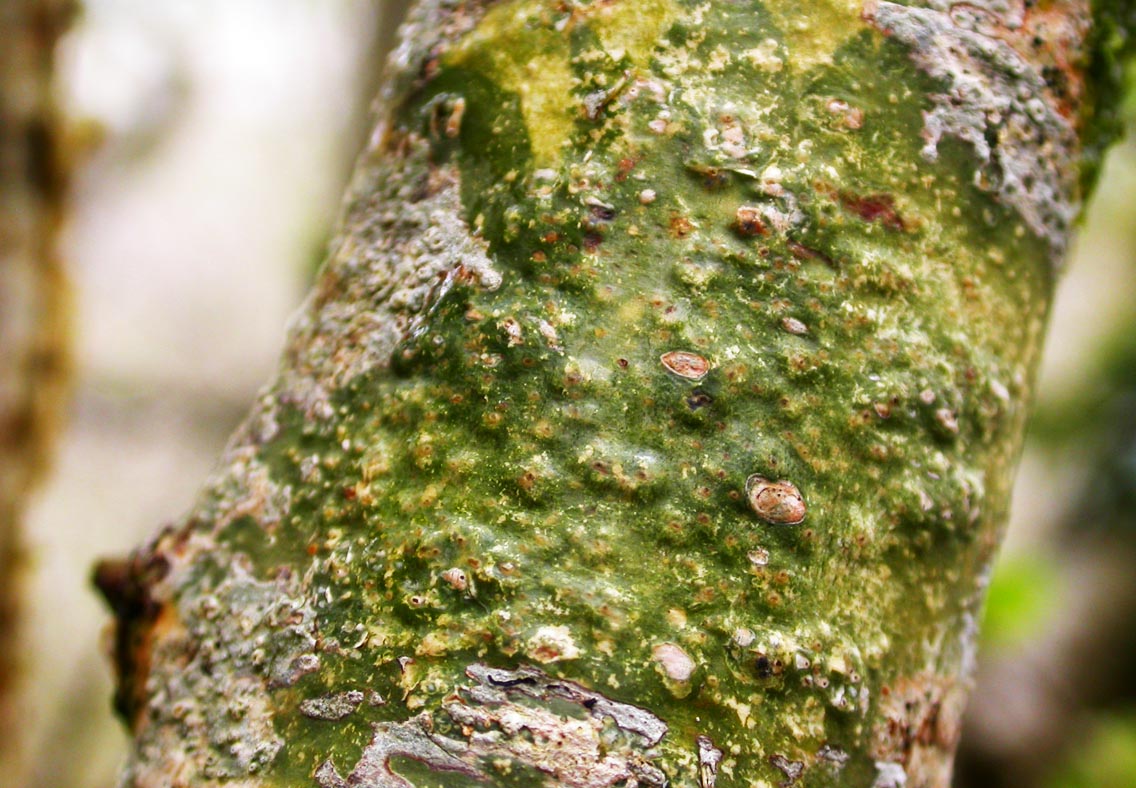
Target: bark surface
point(654, 417)
point(32, 311)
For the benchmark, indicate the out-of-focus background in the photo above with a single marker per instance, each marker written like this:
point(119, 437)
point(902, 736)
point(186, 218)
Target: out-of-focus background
point(221, 135)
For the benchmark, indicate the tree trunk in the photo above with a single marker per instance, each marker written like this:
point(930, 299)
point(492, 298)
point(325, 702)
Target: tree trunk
point(32, 311)
point(654, 418)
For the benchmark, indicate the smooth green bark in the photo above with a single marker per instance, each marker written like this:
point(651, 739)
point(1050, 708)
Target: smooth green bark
point(653, 419)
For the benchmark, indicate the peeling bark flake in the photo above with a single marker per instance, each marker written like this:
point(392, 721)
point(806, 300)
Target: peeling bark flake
point(503, 719)
point(791, 769)
point(709, 757)
point(411, 739)
point(535, 684)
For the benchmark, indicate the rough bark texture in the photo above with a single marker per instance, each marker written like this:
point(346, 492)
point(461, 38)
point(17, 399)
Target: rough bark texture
point(653, 420)
point(32, 309)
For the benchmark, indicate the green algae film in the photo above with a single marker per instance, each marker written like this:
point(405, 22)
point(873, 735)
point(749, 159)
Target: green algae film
point(712, 413)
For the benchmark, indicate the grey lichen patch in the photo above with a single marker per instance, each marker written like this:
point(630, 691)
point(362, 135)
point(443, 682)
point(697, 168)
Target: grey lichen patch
point(405, 244)
point(332, 707)
point(301, 666)
point(244, 488)
point(994, 99)
point(429, 30)
point(209, 715)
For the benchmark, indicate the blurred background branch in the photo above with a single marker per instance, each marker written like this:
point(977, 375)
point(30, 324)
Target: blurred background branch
point(33, 317)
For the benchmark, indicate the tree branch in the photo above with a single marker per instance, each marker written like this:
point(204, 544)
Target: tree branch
point(654, 418)
point(33, 300)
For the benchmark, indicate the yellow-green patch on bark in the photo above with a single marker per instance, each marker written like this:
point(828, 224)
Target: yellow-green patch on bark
point(536, 66)
point(632, 28)
point(811, 28)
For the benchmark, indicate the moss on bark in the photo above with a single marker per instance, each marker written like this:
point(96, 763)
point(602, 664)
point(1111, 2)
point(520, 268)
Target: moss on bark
point(653, 420)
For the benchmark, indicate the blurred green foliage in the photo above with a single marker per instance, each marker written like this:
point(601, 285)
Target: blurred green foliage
point(1107, 759)
point(1024, 590)
point(1099, 417)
